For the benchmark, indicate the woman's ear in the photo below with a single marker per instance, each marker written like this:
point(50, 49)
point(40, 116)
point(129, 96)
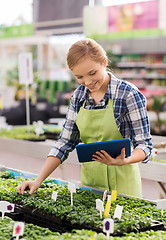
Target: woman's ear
point(105, 62)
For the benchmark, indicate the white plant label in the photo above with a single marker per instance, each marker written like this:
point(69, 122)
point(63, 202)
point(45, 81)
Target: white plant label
point(54, 195)
point(104, 195)
point(18, 230)
point(100, 206)
point(25, 67)
point(118, 211)
point(6, 207)
point(161, 204)
point(108, 226)
point(108, 197)
point(72, 189)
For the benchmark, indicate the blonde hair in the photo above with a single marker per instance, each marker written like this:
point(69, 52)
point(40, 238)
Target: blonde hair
point(85, 48)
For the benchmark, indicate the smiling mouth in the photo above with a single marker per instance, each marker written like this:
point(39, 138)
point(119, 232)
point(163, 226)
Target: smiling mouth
point(92, 86)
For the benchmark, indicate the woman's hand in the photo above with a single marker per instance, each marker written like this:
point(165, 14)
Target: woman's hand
point(31, 185)
point(105, 158)
point(49, 166)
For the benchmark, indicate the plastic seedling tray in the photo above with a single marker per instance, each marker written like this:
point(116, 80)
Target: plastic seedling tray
point(56, 224)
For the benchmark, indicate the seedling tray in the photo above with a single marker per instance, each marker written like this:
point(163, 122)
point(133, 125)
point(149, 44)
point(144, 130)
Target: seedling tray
point(38, 217)
point(63, 225)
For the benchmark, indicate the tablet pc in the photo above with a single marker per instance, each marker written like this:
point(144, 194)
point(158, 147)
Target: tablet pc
point(113, 148)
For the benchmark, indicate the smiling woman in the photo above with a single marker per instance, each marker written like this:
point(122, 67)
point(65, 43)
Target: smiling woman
point(102, 108)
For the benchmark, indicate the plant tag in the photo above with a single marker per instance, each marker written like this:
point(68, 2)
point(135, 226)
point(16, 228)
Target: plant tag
point(18, 230)
point(54, 195)
point(6, 207)
point(109, 197)
point(38, 131)
point(107, 208)
point(118, 211)
point(161, 204)
point(25, 67)
point(108, 226)
point(104, 195)
point(154, 152)
point(100, 206)
point(113, 195)
point(72, 189)
point(38, 127)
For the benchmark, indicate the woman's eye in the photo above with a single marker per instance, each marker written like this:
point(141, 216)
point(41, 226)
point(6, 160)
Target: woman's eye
point(79, 77)
point(91, 74)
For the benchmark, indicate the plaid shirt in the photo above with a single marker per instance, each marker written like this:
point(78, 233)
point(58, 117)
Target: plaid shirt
point(129, 106)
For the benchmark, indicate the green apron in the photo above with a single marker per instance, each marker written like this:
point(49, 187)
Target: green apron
point(99, 125)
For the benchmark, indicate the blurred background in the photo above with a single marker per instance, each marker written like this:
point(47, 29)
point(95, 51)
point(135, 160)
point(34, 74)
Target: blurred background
point(132, 32)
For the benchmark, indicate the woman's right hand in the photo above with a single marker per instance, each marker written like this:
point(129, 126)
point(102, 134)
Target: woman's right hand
point(50, 165)
point(31, 185)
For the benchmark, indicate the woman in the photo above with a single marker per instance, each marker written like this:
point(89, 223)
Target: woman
point(102, 108)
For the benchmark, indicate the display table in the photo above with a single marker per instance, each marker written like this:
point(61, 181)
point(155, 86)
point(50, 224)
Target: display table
point(156, 172)
point(30, 156)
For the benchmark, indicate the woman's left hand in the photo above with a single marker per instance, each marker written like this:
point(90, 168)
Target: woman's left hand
point(105, 158)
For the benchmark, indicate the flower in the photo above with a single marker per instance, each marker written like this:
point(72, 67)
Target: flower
point(17, 229)
point(9, 207)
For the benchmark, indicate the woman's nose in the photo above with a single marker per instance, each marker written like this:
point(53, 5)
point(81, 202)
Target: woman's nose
point(88, 82)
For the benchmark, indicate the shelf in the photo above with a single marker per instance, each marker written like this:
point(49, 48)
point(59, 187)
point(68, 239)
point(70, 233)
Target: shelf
point(139, 76)
point(131, 65)
point(153, 171)
point(141, 65)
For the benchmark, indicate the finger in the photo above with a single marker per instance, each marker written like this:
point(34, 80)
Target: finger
point(105, 154)
point(22, 189)
point(100, 154)
point(96, 158)
point(23, 186)
point(18, 188)
point(96, 155)
point(32, 189)
point(123, 152)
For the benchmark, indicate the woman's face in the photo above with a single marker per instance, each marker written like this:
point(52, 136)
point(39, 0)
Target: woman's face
point(90, 73)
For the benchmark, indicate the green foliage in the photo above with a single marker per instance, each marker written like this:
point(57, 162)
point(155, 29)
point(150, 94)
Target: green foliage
point(31, 232)
point(158, 103)
point(137, 213)
point(113, 59)
point(34, 232)
point(21, 133)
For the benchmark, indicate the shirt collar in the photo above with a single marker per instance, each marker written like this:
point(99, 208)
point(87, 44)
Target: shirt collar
point(84, 96)
point(111, 89)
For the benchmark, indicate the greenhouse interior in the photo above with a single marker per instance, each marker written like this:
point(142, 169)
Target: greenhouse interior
point(83, 119)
